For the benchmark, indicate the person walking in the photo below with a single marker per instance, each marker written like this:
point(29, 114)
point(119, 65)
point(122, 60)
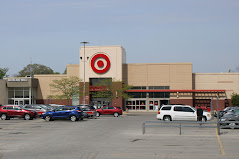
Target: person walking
point(199, 113)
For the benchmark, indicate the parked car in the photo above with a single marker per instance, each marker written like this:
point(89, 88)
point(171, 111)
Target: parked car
point(230, 116)
point(221, 113)
point(40, 109)
point(89, 110)
point(227, 109)
point(180, 112)
point(73, 113)
point(109, 110)
point(11, 111)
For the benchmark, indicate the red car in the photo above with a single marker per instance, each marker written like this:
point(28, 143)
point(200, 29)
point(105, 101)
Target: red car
point(11, 111)
point(109, 110)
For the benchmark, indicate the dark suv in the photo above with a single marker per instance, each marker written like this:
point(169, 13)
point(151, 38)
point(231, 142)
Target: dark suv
point(11, 111)
point(73, 113)
point(89, 110)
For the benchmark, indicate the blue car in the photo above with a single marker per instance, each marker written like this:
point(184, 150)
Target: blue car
point(73, 113)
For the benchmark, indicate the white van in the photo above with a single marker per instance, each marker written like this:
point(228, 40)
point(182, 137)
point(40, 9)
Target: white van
point(180, 112)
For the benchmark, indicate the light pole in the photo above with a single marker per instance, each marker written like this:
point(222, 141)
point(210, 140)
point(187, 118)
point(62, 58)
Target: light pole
point(84, 42)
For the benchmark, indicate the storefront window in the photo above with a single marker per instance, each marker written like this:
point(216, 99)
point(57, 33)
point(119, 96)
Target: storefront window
point(26, 94)
point(139, 87)
point(158, 87)
point(21, 96)
point(11, 94)
point(137, 94)
point(159, 95)
point(10, 101)
point(18, 94)
point(136, 105)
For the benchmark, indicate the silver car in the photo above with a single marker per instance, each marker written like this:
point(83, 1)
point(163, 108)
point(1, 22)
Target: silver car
point(231, 115)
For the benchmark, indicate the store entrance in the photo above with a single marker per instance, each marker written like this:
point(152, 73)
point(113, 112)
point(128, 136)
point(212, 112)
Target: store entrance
point(155, 105)
point(18, 102)
point(164, 102)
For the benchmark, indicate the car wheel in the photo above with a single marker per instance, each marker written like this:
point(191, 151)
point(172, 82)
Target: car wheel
point(232, 125)
point(73, 118)
point(204, 119)
point(167, 118)
point(4, 117)
point(48, 118)
point(116, 114)
point(27, 117)
point(97, 114)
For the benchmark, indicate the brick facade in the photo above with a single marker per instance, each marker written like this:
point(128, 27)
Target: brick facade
point(182, 101)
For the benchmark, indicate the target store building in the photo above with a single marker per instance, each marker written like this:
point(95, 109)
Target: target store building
point(154, 84)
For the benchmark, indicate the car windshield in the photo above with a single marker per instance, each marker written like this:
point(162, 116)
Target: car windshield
point(84, 108)
point(44, 107)
point(58, 108)
point(230, 112)
point(194, 108)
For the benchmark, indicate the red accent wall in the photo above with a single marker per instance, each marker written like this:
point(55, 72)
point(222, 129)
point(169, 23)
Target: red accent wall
point(118, 102)
point(182, 101)
point(221, 104)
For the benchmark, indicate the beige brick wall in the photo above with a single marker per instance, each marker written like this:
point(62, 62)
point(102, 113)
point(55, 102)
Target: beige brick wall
point(222, 81)
point(73, 70)
point(44, 89)
point(3, 92)
point(175, 75)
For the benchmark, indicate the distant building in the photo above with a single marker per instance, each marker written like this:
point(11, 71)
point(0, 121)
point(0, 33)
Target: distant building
point(154, 84)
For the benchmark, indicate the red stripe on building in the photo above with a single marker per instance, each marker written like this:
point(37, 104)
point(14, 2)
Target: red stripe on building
point(172, 91)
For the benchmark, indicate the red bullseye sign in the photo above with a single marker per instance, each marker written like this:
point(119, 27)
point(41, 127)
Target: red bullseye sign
point(100, 63)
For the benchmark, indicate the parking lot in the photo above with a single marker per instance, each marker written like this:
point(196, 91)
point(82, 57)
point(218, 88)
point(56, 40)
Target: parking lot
point(108, 137)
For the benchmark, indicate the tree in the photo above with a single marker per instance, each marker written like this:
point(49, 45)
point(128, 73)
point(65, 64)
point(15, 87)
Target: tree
point(65, 72)
point(3, 72)
point(111, 89)
point(235, 99)
point(237, 68)
point(67, 88)
point(32, 69)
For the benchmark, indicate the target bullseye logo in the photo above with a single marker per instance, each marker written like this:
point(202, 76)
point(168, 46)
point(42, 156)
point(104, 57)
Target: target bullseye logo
point(100, 63)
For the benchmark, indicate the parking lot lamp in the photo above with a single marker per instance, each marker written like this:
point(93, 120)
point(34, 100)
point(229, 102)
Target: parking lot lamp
point(84, 42)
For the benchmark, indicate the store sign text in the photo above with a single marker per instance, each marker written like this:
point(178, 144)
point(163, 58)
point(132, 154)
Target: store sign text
point(17, 80)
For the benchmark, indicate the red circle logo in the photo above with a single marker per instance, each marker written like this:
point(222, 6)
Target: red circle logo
point(100, 63)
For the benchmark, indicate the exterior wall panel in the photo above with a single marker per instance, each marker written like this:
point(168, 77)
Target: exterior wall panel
point(44, 89)
point(73, 70)
point(3, 92)
point(215, 81)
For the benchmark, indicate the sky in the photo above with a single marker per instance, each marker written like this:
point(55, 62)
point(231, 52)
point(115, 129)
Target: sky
point(49, 32)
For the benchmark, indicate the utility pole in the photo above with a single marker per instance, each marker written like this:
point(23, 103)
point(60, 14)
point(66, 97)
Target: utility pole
point(84, 42)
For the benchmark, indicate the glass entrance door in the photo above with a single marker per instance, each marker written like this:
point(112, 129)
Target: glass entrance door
point(18, 102)
point(153, 105)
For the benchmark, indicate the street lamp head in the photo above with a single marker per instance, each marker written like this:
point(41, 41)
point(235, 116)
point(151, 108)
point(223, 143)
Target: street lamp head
point(84, 42)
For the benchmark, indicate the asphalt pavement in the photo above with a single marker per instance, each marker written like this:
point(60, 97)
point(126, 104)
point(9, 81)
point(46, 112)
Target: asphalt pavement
point(108, 137)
